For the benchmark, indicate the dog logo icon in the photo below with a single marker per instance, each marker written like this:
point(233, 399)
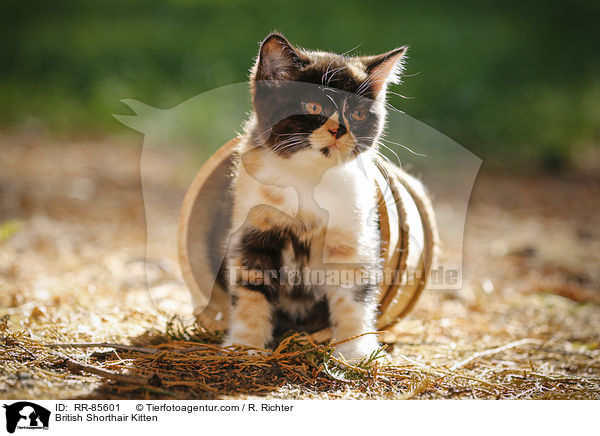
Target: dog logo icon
point(26, 415)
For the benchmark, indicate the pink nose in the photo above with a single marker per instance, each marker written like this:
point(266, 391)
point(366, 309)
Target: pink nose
point(338, 131)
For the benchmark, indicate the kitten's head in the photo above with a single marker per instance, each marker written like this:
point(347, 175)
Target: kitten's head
point(321, 104)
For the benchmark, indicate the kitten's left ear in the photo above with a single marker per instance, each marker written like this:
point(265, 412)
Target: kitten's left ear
point(384, 68)
point(277, 59)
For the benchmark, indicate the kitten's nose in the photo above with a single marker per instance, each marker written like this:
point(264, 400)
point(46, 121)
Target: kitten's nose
point(338, 131)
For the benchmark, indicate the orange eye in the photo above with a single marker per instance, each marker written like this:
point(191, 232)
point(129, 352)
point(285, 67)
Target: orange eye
point(313, 108)
point(359, 115)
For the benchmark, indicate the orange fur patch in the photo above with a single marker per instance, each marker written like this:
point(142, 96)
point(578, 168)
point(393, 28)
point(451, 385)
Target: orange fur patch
point(272, 196)
point(345, 311)
point(260, 221)
point(338, 244)
point(344, 317)
point(266, 217)
point(254, 311)
point(251, 303)
point(250, 160)
point(340, 251)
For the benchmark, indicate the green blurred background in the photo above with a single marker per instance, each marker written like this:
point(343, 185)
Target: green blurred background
point(517, 82)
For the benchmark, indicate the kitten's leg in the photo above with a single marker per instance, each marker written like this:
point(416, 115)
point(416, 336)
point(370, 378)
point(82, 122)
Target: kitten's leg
point(352, 313)
point(352, 302)
point(254, 257)
point(250, 323)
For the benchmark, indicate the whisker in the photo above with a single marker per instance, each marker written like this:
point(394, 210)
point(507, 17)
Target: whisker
point(393, 108)
point(410, 75)
point(399, 95)
point(332, 100)
point(391, 151)
point(370, 79)
point(382, 138)
point(290, 145)
point(352, 49)
point(280, 145)
point(385, 190)
point(292, 134)
point(326, 72)
point(387, 148)
point(403, 146)
point(333, 73)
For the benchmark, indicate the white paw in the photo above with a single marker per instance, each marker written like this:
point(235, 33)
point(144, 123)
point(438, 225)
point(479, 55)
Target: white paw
point(228, 342)
point(358, 349)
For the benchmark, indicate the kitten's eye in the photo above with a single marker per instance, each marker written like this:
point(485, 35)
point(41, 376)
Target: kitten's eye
point(313, 108)
point(359, 115)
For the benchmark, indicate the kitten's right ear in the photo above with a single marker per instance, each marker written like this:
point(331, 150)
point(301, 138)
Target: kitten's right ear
point(384, 68)
point(277, 59)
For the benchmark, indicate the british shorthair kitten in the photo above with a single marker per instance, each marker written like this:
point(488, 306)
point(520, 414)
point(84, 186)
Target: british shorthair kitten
point(304, 252)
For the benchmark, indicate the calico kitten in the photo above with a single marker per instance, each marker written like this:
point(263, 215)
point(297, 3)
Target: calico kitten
point(304, 251)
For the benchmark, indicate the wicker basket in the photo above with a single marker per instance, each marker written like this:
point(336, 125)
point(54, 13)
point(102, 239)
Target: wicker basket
point(408, 233)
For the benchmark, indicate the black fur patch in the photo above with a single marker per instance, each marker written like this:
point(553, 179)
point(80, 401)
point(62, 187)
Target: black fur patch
point(302, 292)
point(262, 250)
point(301, 248)
point(317, 319)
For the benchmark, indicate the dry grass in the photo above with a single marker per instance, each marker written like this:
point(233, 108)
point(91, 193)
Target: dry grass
point(186, 362)
point(525, 325)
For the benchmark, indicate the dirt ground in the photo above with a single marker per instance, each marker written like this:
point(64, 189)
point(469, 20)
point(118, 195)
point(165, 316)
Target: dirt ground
point(72, 249)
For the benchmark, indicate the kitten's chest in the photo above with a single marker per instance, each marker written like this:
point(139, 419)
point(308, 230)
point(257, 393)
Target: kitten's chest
point(340, 196)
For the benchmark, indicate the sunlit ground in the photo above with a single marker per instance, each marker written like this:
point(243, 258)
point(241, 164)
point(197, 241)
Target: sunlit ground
point(72, 250)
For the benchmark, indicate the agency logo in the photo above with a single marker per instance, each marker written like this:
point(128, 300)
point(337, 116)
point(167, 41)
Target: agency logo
point(26, 415)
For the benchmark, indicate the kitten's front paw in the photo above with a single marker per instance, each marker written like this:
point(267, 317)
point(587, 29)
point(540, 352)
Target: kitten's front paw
point(358, 349)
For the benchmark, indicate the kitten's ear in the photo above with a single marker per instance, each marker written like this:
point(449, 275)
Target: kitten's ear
point(277, 59)
point(384, 68)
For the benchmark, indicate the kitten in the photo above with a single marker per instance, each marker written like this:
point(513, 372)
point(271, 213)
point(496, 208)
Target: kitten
point(304, 220)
